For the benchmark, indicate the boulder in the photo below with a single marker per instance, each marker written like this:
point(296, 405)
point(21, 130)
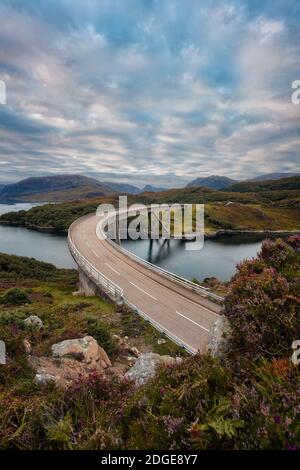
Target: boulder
point(145, 367)
point(35, 321)
point(85, 350)
point(218, 334)
point(71, 359)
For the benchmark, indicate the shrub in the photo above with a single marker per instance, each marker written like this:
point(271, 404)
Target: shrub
point(15, 296)
point(184, 406)
point(102, 335)
point(263, 304)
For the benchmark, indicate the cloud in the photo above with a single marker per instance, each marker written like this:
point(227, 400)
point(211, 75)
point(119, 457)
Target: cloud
point(146, 91)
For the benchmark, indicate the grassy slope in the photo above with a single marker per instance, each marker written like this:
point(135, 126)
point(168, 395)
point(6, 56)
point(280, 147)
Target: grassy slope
point(50, 291)
point(84, 192)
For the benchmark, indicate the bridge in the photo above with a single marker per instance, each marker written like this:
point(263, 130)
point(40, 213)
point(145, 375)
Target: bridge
point(179, 308)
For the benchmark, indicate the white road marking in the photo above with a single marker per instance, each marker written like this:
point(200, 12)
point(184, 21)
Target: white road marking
point(192, 321)
point(142, 290)
point(96, 254)
point(204, 308)
point(113, 269)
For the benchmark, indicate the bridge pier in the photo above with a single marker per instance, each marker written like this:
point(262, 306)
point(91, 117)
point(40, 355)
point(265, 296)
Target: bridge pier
point(86, 285)
point(89, 288)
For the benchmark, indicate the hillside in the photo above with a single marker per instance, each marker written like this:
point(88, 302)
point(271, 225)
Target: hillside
point(273, 176)
point(212, 182)
point(53, 188)
point(122, 187)
point(290, 183)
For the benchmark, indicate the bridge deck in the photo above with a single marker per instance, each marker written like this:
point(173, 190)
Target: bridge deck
point(184, 313)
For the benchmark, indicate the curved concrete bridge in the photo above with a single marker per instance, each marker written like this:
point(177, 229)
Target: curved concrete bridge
point(182, 310)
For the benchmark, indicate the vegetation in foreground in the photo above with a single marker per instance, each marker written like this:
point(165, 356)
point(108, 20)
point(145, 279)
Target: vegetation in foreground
point(249, 398)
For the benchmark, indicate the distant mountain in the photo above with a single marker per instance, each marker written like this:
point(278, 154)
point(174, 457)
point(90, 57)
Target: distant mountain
point(54, 188)
point(273, 176)
point(212, 182)
point(123, 188)
point(292, 182)
point(151, 189)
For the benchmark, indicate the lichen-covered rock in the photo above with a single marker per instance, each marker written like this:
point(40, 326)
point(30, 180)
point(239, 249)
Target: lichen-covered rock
point(42, 380)
point(85, 350)
point(71, 359)
point(35, 321)
point(145, 367)
point(218, 335)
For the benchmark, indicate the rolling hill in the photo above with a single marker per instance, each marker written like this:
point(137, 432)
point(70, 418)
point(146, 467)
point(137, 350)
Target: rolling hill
point(290, 183)
point(212, 182)
point(50, 188)
point(273, 176)
point(64, 188)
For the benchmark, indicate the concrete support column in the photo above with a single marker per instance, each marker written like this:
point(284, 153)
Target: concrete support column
point(86, 286)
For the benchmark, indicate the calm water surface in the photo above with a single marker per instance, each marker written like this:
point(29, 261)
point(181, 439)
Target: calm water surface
point(218, 257)
point(42, 246)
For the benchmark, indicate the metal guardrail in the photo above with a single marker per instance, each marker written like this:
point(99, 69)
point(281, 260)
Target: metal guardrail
point(112, 289)
point(203, 291)
point(160, 328)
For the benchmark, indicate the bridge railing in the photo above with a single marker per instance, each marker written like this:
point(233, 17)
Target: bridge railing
point(103, 282)
point(203, 291)
point(160, 328)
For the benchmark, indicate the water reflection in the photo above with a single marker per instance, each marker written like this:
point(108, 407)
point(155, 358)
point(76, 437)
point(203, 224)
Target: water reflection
point(218, 257)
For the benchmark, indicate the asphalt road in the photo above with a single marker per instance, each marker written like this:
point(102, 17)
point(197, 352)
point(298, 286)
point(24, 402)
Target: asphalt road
point(184, 313)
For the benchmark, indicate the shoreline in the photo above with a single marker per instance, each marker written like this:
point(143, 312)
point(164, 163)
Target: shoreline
point(207, 235)
point(220, 233)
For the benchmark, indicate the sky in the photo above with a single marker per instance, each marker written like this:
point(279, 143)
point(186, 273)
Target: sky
point(149, 91)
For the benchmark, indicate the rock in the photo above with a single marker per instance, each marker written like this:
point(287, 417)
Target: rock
point(85, 350)
point(123, 344)
point(131, 360)
point(145, 367)
point(77, 294)
point(42, 380)
point(133, 350)
point(27, 346)
point(34, 320)
point(161, 341)
point(218, 334)
point(71, 359)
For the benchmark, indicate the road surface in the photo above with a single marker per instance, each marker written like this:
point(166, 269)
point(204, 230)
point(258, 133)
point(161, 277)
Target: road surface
point(185, 314)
